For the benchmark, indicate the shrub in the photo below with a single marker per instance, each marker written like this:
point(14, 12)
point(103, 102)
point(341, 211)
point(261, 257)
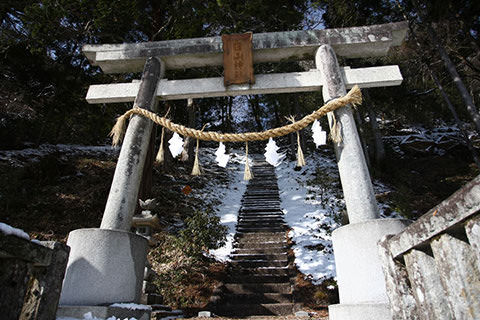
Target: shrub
point(181, 263)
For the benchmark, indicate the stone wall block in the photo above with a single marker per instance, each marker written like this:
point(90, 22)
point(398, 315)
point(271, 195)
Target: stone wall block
point(43, 295)
point(426, 286)
point(14, 277)
point(472, 229)
point(458, 269)
point(399, 291)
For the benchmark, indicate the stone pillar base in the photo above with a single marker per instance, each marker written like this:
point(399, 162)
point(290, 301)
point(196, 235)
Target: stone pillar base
point(78, 312)
point(105, 266)
point(360, 278)
point(361, 311)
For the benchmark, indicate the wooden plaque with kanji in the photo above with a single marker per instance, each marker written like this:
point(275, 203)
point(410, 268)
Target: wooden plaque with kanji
point(238, 59)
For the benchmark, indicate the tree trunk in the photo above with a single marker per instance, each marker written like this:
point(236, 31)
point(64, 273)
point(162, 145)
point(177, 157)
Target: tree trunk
point(277, 116)
point(440, 87)
point(189, 145)
point(467, 98)
point(296, 113)
point(457, 119)
point(379, 146)
point(222, 108)
point(229, 114)
point(293, 138)
point(255, 104)
point(168, 159)
point(361, 133)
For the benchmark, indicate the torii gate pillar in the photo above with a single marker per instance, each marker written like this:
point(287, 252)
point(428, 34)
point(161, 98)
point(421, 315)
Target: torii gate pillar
point(360, 278)
point(106, 264)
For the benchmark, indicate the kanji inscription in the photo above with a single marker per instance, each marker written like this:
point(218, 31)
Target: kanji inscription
point(238, 59)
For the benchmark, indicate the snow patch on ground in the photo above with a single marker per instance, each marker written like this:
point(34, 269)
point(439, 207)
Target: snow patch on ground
point(131, 306)
point(231, 196)
point(89, 316)
point(436, 140)
point(312, 200)
point(18, 158)
point(312, 212)
point(9, 230)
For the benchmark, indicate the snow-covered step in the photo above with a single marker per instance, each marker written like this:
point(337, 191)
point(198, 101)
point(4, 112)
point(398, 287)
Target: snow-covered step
point(257, 278)
point(259, 275)
point(264, 250)
point(274, 212)
point(285, 288)
point(261, 224)
point(279, 271)
point(259, 263)
point(245, 219)
point(266, 297)
point(278, 256)
point(261, 221)
point(255, 245)
point(253, 209)
point(260, 198)
point(241, 310)
point(261, 193)
point(262, 188)
point(260, 236)
point(263, 203)
point(260, 204)
point(260, 217)
point(256, 210)
point(254, 228)
point(260, 213)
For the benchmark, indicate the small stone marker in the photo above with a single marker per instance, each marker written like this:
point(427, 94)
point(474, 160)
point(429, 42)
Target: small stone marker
point(204, 314)
point(302, 314)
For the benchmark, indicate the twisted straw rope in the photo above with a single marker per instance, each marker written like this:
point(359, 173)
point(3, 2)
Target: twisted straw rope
point(354, 97)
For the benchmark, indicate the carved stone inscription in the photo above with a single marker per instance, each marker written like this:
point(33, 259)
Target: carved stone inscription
point(238, 59)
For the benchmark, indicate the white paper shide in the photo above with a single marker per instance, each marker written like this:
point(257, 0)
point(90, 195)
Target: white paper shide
point(271, 153)
point(221, 157)
point(319, 136)
point(175, 145)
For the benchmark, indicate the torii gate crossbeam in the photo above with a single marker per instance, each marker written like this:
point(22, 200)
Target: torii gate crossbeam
point(355, 42)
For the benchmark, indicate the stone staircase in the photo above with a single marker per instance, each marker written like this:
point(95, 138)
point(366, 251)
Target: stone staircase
point(259, 280)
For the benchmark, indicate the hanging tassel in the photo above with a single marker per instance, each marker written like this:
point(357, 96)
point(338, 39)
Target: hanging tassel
point(118, 130)
point(161, 152)
point(335, 131)
point(196, 171)
point(300, 158)
point(248, 173)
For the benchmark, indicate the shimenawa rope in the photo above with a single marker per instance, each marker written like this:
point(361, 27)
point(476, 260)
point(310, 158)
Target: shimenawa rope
point(354, 97)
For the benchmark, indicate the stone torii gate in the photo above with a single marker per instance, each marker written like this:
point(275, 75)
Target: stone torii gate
point(106, 264)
